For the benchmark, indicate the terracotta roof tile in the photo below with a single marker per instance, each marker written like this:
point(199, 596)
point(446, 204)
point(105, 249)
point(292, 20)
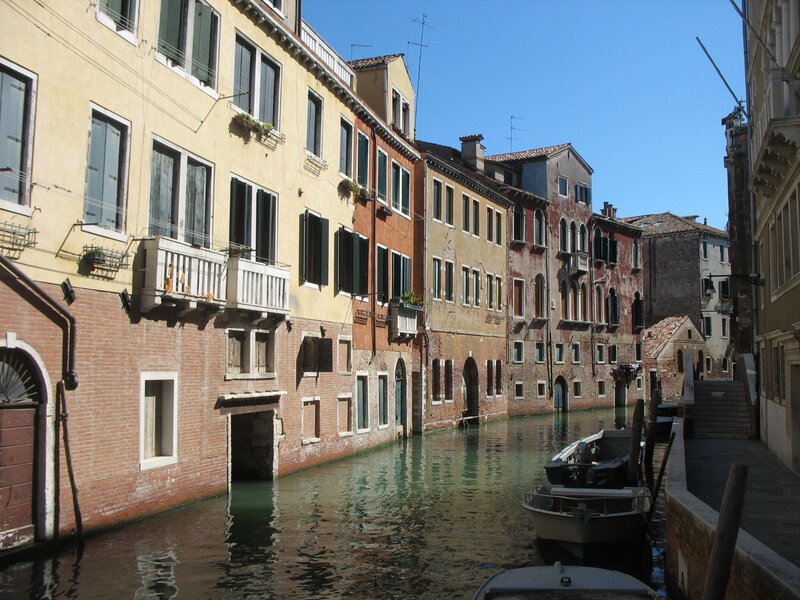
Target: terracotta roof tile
point(666, 223)
point(527, 154)
point(660, 333)
point(375, 61)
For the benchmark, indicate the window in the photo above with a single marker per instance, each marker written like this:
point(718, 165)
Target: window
point(401, 113)
point(158, 429)
point(476, 217)
point(724, 327)
point(638, 311)
point(317, 355)
point(436, 273)
point(499, 286)
point(345, 355)
point(401, 189)
point(236, 353)
point(539, 352)
point(476, 287)
point(576, 353)
point(576, 387)
point(277, 4)
point(314, 124)
point(709, 364)
point(601, 353)
point(612, 353)
point(310, 420)
point(383, 183)
point(448, 205)
point(598, 294)
point(519, 223)
point(601, 388)
point(104, 203)
point(519, 389)
point(639, 383)
point(725, 288)
point(563, 189)
point(465, 212)
point(636, 257)
point(120, 13)
point(352, 262)
point(498, 377)
point(437, 200)
point(559, 353)
point(345, 414)
point(448, 281)
point(362, 175)
point(490, 225)
point(519, 298)
point(538, 228)
point(489, 291)
point(465, 296)
point(582, 237)
point(314, 249)
point(708, 286)
point(612, 248)
point(16, 122)
point(256, 82)
point(187, 37)
point(498, 228)
point(253, 221)
point(448, 380)
point(612, 310)
point(583, 193)
point(345, 148)
point(362, 402)
point(382, 274)
point(250, 353)
point(707, 326)
point(573, 238)
point(264, 352)
point(639, 351)
point(704, 250)
point(401, 274)
point(383, 400)
point(563, 238)
point(436, 380)
point(541, 389)
point(725, 364)
point(180, 190)
point(519, 351)
point(489, 378)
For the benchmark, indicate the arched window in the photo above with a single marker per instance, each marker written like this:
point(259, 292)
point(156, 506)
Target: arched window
point(540, 294)
point(583, 238)
point(612, 310)
point(636, 259)
point(598, 303)
point(638, 311)
point(575, 306)
point(519, 223)
point(573, 238)
point(612, 248)
point(562, 236)
point(538, 229)
point(564, 302)
point(584, 303)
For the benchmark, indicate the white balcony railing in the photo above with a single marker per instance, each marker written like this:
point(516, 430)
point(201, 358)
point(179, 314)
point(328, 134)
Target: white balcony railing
point(179, 273)
point(257, 286)
point(318, 46)
point(403, 319)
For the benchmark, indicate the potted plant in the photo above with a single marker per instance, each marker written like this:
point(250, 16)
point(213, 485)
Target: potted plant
point(248, 122)
point(410, 300)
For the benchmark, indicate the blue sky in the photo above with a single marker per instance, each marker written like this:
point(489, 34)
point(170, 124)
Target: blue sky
point(624, 81)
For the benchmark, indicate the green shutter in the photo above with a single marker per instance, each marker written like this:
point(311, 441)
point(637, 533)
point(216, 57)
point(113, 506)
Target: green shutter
point(242, 71)
point(362, 269)
point(12, 123)
point(323, 251)
point(195, 228)
point(363, 160)
point(93, 204)
point(240, 213)
point(171, 30)
point(406, 208)
point(269, 92)
point(382, 265)
point(382, 176)
point(266, 215)
point(162, 186)
point(311, 125)
point(204, 43)
point(110, 216)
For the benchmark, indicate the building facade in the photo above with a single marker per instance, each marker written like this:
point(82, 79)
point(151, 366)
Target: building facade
point(666, 342)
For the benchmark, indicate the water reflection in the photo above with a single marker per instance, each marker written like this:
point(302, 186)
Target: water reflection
point(429, 517)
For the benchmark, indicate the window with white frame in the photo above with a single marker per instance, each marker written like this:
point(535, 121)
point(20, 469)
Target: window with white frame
point(576, 353)
point(518, 229)
point(362, 158)
point(401, 189)
point(538, 228)
point(253, 230)
point(498, 228)
point(489, 377)
point(187, 38)
point(314, 249)
point(448, 205)
point(639, 383)
point(104, 202)
point(449, 274)
point(437, 200)
point(541, 389)
point(489, 291)
point(709, 364)
point(724, 327)
point(563, 186)
point(465, 281)
point(180, 195)
point(383, 399)
point(489, 224)
point(559, 353)
point(345, 148)
point(583, 193)
point(362, 402)
point(476, 287)
point(448, 379)
point(352, 262)
point(314, 124)
point(158, 430)
point(436, 279)
point(345, 355)
point(612, 353)
point(251, 353)
point(401, 113)
point(465, 210)
point(704, 250)
point(17, 93)
point(601, 388)
point(436, 380)
point(383, 176)
point(499, 286)
point(519, 389)
point(576, 388)
point(401, 274)
point(476, 217)
point(519, 351)
point(601, 353)
point(256, 82)
point(118, 14)
point(344, 414)
point(725, 364)
point(310, 420)
point(707, 326)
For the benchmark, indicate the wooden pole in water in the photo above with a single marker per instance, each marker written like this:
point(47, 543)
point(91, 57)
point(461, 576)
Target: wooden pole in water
point(655, 489)
point(650, 441)
point(730, 515)
point(636, 439)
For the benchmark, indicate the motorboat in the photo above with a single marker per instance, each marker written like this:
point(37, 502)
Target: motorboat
point(583, 519)
point(563, 582)
point(599, 460)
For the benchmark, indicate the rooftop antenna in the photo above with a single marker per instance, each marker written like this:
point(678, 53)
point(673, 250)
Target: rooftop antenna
point(423, 23)
point(716, 68)
point(512, 129)
point(358, 46)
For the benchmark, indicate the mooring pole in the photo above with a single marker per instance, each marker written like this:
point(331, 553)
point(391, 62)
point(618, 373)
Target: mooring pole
point(650, 440)
point(730, 515)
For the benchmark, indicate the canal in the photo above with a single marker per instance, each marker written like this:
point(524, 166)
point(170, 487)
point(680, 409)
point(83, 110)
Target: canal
point(428, 517)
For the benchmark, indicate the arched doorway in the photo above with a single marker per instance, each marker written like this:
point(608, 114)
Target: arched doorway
point(470, 388)
point(561, 395)
point(400, 394)
point(22, 398)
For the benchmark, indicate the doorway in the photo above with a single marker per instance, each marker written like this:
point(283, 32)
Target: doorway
point(561, 395)
point(400, 385)
point(253, 445)
point(470, 388)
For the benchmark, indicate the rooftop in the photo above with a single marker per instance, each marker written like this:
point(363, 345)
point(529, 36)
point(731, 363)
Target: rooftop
point(660, 333)
point(528, 154)
point(666, 223)
point(375, 61)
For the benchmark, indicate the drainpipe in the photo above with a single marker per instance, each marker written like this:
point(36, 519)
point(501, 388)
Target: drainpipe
point(373, 297)
point(549, 231)
point(424, 349)
point(593, 302)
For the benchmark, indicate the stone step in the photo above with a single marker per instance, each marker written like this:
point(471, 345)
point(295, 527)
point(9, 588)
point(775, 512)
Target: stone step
point(722, 436)
point(720, 426)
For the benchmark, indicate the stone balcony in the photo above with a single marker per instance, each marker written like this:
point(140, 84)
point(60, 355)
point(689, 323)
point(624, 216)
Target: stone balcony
point(403, 317)
point(578, 263)
point(257, 287)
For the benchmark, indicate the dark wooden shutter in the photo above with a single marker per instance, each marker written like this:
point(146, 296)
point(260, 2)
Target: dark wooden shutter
point(362, 269)
point(322, 254)
point(406, 199)
point(266, 221)
point(324, 355)
point(382, 191)
point(162, 186)
point(383, 272)
point(171, 30)
point(196, 204)
point(344, 147)
point(240, 213)
point(353, 264)
point(343, 240)
point(311, 125)
point(242, 75)
point(612, 250)
point(363, 160)
point(204, 43)
point(269, 91)
point(102, 174)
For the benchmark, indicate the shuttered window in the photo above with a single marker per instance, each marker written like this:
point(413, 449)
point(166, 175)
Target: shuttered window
point(121, 12)
point(382, 266)
point(256, 82)
point(352, 262)
point(164, 169)
point(382, 176)
point(14, 91)
point(243, 75)
point(363, 160)
point(187, 36)
point(314, 124)
point(345, 148)
point(401, 274)
point(103, 204)
point(314, 249)
point(253, 221)
point(198, 208)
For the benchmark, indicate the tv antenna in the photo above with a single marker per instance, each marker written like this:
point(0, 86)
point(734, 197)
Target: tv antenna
point(511, 131)
point(423, 24)
point(358, 46)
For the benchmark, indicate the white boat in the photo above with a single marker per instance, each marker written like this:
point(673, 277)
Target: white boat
point(580, 519)
point(563, 583)
point(598, 460)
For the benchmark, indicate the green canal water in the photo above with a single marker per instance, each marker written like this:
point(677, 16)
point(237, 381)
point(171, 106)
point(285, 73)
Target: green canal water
point(428, 517)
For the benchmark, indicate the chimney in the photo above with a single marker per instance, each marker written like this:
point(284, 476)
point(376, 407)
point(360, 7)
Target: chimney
point(472, 151)
point(609, 210)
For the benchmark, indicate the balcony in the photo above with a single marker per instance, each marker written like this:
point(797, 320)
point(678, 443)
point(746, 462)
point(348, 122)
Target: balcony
point(179, 274)
point(257, 287)
point(318, 46)
point(578, 264)
point(403, 319)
